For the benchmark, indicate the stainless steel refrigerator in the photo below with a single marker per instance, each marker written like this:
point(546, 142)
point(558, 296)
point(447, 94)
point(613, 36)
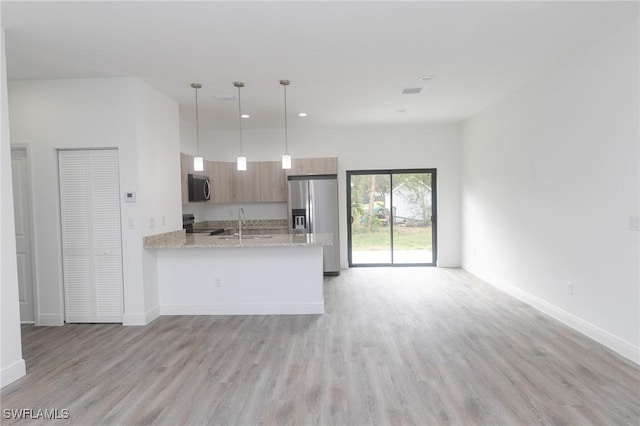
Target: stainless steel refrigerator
point(313, 208)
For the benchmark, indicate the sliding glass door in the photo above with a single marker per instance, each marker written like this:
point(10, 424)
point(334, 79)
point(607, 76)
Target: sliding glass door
point(392, 218)
point(370, 233)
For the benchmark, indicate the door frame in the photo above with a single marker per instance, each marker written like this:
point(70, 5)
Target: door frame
point(26, 148)
point(434, 215)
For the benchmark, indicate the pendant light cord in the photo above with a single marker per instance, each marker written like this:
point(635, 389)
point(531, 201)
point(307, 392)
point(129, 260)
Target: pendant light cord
point(286, 142)
point(240, 118)
point(196, 86)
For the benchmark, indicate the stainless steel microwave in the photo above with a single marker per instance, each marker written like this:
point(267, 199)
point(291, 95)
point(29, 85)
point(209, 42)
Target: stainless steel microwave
point(199, 187)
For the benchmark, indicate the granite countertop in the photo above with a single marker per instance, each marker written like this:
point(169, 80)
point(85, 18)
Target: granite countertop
point(262, 224)
point(179, 239)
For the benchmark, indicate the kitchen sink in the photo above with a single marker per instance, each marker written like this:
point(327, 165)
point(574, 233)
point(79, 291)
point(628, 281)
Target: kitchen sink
point(244, 237)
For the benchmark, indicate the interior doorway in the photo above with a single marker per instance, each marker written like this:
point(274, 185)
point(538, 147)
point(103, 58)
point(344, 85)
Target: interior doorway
point(392, 217)
point(24, 245)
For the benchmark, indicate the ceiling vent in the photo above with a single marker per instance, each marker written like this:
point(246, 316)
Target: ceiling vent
point(411, 90)
point(225, 97)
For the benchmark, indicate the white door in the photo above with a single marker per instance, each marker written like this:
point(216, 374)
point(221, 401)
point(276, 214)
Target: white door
point(91, 241)
point(22, 213)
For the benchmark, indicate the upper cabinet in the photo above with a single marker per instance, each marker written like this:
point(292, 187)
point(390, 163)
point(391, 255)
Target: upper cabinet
point(273, 182)
point(186, 167)
point(262, 182)
point(221, 177)
point(313, 166)
point(246, 183)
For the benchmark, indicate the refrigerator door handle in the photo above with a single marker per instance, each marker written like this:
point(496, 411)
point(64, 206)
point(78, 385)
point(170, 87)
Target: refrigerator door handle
point(310, 208)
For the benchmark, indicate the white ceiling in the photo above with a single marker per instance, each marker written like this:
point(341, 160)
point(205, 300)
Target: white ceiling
point(347, 61)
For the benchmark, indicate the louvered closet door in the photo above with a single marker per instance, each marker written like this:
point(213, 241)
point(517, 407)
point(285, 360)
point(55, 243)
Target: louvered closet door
point(92, 254)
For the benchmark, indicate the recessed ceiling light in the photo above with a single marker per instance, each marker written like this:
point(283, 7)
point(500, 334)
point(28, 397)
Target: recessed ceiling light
point(401, 110)
point(411, 90)
point(302, 114)
point(245, 116)
point(225, 97)
point(427, 77)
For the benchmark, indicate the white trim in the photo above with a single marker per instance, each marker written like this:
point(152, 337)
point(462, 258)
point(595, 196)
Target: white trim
point(12, 372)
point(141, 319)
point(134, 319)
point(244, 309)
point(601, 336)
point(32, 225)
point(152, 314)
point(50, 320)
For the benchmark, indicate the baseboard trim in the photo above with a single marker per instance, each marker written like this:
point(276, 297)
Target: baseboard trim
point(50, 320)
point(601, 336)
point(244, 309)
point(141, 319)
point(152, 314)
point(12, 372)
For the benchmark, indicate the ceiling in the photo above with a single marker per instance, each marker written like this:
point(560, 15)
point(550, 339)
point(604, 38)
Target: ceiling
point(347, 61)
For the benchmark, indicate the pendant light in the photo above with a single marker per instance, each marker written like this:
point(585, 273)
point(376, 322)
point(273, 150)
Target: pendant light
point(242, 160)
point(198, 162)
point(286, 158)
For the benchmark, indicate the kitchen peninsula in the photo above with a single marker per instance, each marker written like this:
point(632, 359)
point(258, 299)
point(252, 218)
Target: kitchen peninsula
point(201, 274)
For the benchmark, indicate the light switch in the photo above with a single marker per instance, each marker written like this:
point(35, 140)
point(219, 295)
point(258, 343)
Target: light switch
point(634, 223)
point(132, 224)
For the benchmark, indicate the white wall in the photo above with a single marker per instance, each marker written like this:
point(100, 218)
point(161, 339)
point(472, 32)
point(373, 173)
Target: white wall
point(83, 113)
point(97, 113)
point(158, 144)
point(357, 148)
point(550, 179)
point(12, 366)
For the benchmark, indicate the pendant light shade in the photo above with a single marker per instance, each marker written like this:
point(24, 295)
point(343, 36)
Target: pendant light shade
point(286, 158)
point(198, 162)
point(242, 160)
point(242, 163)
point(286, 161)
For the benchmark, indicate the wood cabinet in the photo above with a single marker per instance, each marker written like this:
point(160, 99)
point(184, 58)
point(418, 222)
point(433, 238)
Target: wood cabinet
point(273, 182)
point(313, 166)
point(221, 177)
point(262, 182)
point(246, 183)
point(186, 167)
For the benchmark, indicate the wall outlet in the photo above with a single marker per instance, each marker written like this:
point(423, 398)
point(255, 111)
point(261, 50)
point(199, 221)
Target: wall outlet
point(634, 223)
point(218, 282)
point(570, 288)
point(152, 223)
point(163, 220)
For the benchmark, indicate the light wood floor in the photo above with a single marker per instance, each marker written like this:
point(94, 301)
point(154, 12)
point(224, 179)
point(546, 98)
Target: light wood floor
point(421, 346)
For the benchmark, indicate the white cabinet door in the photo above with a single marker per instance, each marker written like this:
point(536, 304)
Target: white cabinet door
point(91, 241)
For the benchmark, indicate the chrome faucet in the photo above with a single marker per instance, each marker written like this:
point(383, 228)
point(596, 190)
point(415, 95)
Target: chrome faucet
point(240, 220)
